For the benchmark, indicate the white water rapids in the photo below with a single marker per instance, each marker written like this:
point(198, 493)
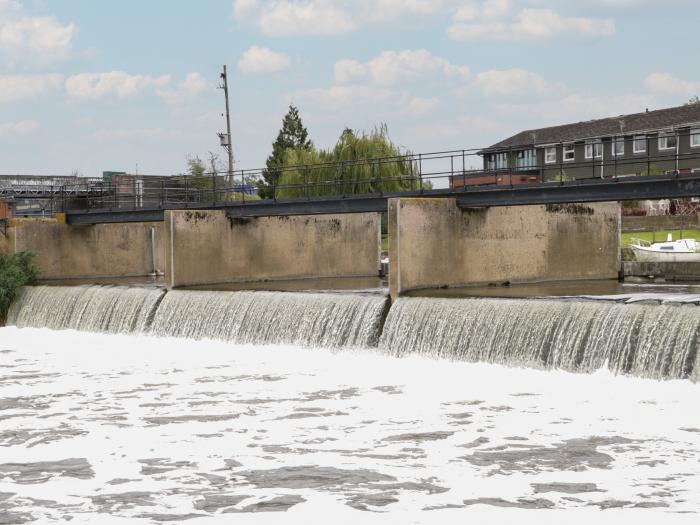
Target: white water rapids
point(98, 428)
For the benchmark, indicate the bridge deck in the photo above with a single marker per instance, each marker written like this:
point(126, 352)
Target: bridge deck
point(588, 190)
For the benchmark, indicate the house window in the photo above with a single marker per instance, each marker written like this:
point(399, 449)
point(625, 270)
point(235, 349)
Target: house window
point(569, 152)
point(695, 138)
point(667, 141)
point(640, 144)
point(594, 149)
point(550, 155)
point(526, 159)
point(618, 147)
point(497, 161)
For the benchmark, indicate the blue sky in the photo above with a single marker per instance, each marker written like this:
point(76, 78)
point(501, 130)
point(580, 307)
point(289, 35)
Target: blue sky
point(93, 85)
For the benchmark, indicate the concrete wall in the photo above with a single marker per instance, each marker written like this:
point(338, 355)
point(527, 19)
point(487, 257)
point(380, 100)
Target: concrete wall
point(207, 247)
point(433, 243)
point(667, 271)
point(74, 252)
point(658, 222)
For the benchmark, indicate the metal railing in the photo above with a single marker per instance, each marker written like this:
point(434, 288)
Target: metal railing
point(410, 173)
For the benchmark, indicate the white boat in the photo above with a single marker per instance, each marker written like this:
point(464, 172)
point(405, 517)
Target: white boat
point(683, 250)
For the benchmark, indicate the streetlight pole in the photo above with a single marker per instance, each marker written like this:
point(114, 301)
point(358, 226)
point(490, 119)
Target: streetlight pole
point(226, 139)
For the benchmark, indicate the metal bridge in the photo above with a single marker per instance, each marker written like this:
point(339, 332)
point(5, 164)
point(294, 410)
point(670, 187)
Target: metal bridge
point(366, 185)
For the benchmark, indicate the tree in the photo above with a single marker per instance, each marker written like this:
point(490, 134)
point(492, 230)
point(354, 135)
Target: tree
point(694, 101)
point(293, 135)
point(195, 166)
point(359, 163)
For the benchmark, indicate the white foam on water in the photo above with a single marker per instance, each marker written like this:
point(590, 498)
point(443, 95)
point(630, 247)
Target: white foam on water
point(164, 428)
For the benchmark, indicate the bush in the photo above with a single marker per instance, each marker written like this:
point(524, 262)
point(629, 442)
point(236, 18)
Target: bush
point(16, 270)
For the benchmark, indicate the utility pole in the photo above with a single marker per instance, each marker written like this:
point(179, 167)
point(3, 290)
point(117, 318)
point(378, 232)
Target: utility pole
point(226, 138)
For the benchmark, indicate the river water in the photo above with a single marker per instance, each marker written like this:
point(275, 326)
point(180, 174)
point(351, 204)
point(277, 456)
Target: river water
point(98, 428)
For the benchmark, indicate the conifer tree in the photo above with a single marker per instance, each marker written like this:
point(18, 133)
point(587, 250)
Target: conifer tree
point(293, 135)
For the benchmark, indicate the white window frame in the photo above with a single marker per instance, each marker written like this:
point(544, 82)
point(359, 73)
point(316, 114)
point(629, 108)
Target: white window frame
point(640, 138)
point(501, 157)
point(613, 145)
point(664, 136)
point(568, 148)
point(526, 159)
point(593, 149)
point(550, 150)
point(695, 136)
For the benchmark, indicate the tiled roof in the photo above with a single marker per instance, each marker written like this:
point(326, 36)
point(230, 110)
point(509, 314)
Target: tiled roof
point(607, 127)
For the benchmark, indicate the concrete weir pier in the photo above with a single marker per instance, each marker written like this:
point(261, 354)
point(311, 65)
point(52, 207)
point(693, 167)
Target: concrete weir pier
point(87, 252)
point(207, 247)
point(434, 243)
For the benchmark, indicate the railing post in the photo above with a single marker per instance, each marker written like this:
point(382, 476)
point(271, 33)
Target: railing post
point(306, 182)
point(274, 185)
point(420, 171)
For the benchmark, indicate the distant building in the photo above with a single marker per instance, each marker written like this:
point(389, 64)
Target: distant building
point(653, 142)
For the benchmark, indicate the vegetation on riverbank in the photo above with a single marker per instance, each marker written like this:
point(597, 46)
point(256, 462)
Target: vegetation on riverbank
point(16, 270)
point(659, 235)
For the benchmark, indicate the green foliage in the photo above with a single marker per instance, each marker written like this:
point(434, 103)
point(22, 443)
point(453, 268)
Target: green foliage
point(195, 166)
point(344, 169)
point(293, 135)
point(652, 170)
point(694, 101)
point(16, 270)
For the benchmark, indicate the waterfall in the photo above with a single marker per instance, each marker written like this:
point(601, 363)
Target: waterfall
point(111, 309)
point(331, 320)
point(655, 341)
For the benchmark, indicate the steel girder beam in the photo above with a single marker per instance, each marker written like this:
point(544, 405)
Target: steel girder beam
point(632, 188)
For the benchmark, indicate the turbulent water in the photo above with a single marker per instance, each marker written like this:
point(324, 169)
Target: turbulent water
point(327, 320)
point(657, 341)
point(111, 309)
point(114, 429)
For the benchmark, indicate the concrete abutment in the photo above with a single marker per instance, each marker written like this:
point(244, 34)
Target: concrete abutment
point(433, 243)
point(207, 247)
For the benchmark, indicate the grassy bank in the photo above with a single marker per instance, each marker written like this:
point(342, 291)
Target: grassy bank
point(660, 236)
point(16, 270)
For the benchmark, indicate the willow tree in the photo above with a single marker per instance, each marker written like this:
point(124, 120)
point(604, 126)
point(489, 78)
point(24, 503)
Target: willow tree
point(360, 162)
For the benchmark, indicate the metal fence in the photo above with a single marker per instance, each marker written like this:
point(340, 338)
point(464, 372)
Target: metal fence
point(459, 171)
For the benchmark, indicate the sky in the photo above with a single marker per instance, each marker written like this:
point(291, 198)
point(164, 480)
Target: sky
point(96, 85)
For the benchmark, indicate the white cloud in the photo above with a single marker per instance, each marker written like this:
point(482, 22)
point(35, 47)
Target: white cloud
point(284, 18)
point(19, 87)
point(349, 97)
point(21, 128)
point(141, 134)
point(261, 60)
point(304, 18)
point(243, 8)
point(507, 82)
point(193, 85)
point(576, 108)
point(32, 39)
point(493, 20)
point(666, 83)
point(112, 84)
point(391, 67)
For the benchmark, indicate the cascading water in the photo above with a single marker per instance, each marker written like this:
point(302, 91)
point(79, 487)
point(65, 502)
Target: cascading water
point(656, 341)
point(329, 320)
point(111, 309)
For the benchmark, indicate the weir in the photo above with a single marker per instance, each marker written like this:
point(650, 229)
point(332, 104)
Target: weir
point(308, 319)
point(645, 340)
point(110, 309)
point(654, 341)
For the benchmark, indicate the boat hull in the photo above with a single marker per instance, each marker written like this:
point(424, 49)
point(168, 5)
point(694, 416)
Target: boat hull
point(643, 254)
